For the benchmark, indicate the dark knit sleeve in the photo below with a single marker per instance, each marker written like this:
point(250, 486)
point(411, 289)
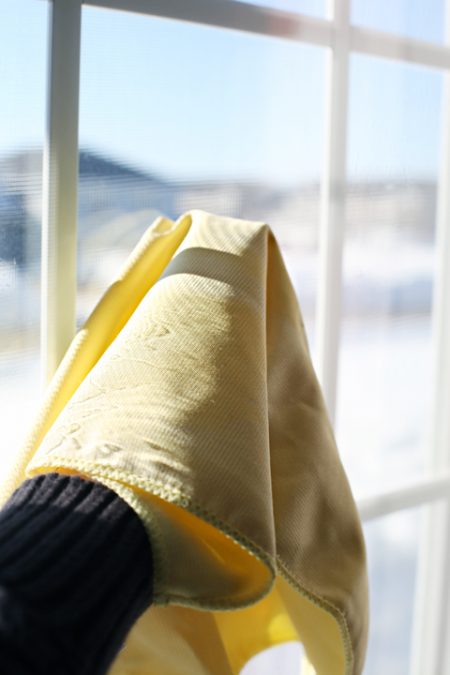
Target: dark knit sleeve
point(75, 575)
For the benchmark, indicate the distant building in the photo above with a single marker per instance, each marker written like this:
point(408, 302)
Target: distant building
point(108, 185)
point(13, 223)
point(384, 220)
point(107, 190)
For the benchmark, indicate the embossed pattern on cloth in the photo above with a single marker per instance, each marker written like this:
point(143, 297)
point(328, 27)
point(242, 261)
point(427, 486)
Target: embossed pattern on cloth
point(190, 392)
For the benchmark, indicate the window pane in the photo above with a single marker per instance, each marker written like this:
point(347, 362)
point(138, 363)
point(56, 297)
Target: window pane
point(23, 50)
point(385, 359)
point(393, 545)
point(164, 129)
point(420, 19)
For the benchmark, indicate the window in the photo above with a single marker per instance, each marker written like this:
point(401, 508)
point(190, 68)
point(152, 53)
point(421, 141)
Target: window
point(330, 121)
point(23, 55)
point(218, 134)
point(412, 18)
point(388, 272)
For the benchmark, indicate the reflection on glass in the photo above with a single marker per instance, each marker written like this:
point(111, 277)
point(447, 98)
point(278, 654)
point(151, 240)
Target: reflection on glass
point(385, 359)
point(284, 659)
point(23, 49)
point(393, 547)
point(420, 19)
point(164, 129)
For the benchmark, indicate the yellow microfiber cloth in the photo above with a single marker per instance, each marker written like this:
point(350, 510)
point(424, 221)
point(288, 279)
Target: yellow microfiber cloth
point(190, 392)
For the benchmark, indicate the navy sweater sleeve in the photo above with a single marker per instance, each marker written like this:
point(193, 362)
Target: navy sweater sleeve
point(75, 575)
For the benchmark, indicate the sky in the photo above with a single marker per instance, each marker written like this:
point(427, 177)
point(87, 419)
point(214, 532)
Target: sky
point(188, 102)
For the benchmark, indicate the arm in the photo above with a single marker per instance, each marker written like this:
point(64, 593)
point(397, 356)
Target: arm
point(75, 575)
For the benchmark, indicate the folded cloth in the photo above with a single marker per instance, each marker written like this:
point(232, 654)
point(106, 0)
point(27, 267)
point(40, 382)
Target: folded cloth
point(190, 392)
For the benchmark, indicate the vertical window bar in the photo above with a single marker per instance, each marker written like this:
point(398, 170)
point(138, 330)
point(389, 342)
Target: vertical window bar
point(60, 176)
point(332, 220)
point(430, 651)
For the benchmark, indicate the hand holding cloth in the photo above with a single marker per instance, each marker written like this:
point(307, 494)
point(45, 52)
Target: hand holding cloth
point(190, 392)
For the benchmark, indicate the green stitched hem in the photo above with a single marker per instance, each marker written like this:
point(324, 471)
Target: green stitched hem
point(160, 557)
point(114, 478)
point(337, 614)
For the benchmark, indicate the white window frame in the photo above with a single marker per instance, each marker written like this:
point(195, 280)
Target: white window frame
point(340, 38)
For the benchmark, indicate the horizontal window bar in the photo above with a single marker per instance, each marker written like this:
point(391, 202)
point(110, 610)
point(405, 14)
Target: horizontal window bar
point(288, 25)
point(390, 46)
point(422, 492)
point(233, 15)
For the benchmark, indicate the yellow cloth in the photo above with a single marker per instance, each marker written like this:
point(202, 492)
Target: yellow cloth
point(191, 393)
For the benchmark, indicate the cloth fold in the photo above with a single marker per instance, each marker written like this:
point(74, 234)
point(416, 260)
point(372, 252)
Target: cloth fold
point(190, 392)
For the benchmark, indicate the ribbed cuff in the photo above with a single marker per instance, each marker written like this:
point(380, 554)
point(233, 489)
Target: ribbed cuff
point(75, 575)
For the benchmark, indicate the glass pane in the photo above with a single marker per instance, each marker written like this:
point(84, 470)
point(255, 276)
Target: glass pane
point(385, 359)
point(23, 50)
point(164, 130)
point(420, 19)
point(312, 7)
point(393, 545)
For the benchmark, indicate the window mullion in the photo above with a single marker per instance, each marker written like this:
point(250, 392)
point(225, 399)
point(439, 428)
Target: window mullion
point(430, 651)
point(240, 16)
point(332, 216)
point(60, 177)
point(399, 48)
point(422, 492)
